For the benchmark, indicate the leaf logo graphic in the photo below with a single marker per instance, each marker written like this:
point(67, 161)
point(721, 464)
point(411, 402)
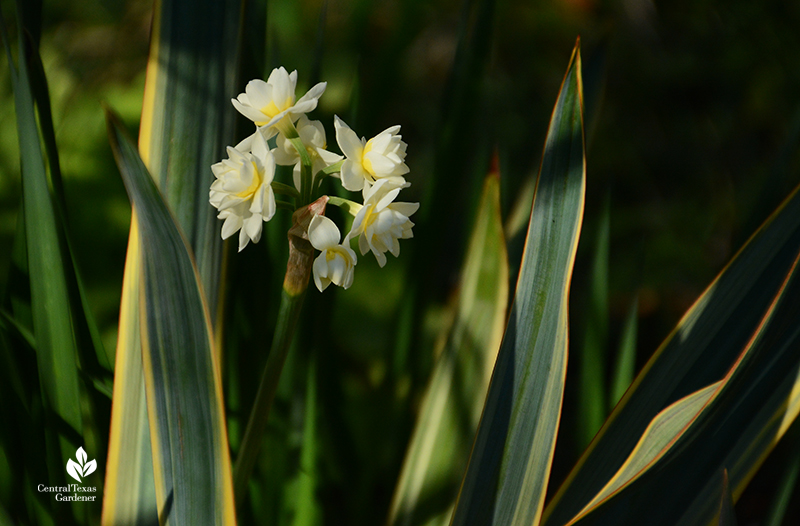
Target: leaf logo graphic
point(81, 468)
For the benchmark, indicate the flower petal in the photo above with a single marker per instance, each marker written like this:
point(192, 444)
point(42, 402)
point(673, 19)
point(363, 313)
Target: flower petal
point(320, 269)
point(249, 112)
point(259, 93)
point(243, 239)
point(351, 145)
point(283, 86)
point(323, 233)
point(353, 177)
point(407, 209)
point(232, 223)
point(270, 207)
point(313, 94)
point(363, 244)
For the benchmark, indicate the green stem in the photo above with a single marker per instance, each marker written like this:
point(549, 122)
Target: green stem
point(328, 170)
point(289, 313)
point(305, 169)
point(347, 205)
point(285, 205)
point(295, 283)
point(284, 189)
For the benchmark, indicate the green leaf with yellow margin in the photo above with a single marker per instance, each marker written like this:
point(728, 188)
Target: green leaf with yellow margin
point(708, 342)
point(506, 480)
point(710, 430)
point(186, 123)
point(439, 449)
point(189, 441)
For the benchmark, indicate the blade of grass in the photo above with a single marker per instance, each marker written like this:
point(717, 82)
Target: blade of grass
point(786, 488)
point(655, 442)
point(624, 367)
point(182, 378)
point(439, 448)
point(307, 511)
point(52, 323)
point(727, 515)
point(592, 356)
point(510, 463)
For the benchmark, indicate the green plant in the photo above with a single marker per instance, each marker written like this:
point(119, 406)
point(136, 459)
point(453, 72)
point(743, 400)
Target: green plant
point(679, 447)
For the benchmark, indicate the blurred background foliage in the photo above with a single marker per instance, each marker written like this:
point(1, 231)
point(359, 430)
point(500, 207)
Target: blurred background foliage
point(693, 123)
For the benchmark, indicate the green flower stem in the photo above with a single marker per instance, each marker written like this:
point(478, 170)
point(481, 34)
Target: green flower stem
point(295, 283)
point(284, 189)
point(289, 313)
point(328, 170)
point(347, 205)
point(285, 205)
point(305, 169)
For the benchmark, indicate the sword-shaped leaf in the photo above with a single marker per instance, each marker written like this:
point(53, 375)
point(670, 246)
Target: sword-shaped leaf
point(181, 371)
point(186, 123)
point(506, 480)
point(439, 448)
point(671, 475)
point(700, 351)
point(48, 265)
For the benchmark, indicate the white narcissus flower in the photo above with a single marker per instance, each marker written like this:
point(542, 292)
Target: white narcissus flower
point(312, 133)
point(267, 103)
point(242, 191)
point(380, 223)
point(336, 262)
point(368, 161)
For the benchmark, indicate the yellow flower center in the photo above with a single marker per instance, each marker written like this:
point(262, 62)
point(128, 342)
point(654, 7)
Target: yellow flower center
point(366, 163)
point(369, 216)
point(272, 109)
point(254, 185)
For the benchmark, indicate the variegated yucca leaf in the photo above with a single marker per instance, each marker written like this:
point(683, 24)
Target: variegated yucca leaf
point(731, 426)
point(506, 481)
point(191, 459)
point(735, 334)
point(186, 123)
point(439, 448)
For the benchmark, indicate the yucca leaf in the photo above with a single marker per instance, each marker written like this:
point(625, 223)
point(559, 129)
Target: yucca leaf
point(731, 425)
point(187, 117)
point(510, 463)
point(186, 123)
point(699, 352)
point(182, 377)
point(439, 449)
point(656, 440)
point(130, 494)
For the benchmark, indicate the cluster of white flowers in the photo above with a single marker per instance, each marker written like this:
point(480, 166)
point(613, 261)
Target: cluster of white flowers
point(244, 191)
